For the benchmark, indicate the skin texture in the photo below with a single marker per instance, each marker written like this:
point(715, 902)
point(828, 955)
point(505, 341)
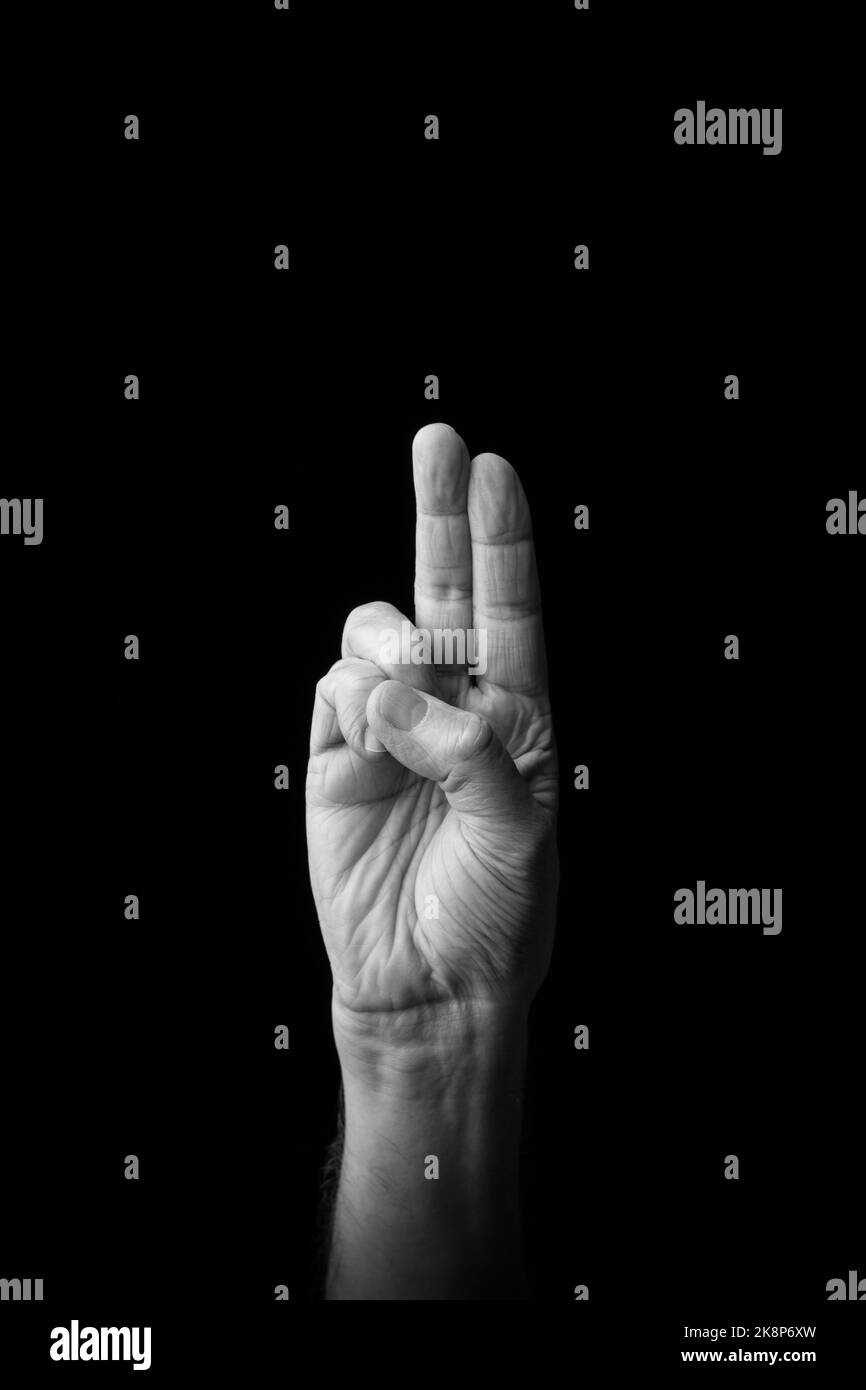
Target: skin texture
point(431, 807)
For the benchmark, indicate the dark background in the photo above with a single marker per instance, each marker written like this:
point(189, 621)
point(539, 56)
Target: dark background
point(707, 517)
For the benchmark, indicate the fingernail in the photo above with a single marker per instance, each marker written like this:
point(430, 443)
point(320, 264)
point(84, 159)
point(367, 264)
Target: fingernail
point(401, 706)
point(372, 743)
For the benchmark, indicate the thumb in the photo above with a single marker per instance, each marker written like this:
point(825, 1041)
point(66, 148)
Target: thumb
point(454, 747)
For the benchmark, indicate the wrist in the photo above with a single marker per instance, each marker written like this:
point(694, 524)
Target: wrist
point(433, 1053)
point(433, 1109)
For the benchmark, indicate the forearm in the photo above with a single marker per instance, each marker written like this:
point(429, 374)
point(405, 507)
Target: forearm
point(443, 1097)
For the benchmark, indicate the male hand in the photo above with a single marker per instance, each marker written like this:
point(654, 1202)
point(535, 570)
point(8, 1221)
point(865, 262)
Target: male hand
point(433, 863)
point(431, 806)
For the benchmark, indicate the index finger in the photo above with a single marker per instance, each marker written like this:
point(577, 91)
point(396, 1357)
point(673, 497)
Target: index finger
point(443, 549)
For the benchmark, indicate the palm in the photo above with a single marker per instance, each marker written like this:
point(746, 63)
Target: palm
point(414, 909)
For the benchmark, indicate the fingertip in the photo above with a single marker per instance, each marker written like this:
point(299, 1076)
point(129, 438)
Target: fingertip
point(399, 707)
point(440, 462)
point(497, 505)
point(475, 736)
point(435, 435)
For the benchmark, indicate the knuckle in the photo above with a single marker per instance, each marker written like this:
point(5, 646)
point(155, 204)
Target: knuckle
point(326, 684)
point(366, 613)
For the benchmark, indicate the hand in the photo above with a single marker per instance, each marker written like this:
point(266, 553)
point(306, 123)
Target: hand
point(431, 797)
point(431, 804)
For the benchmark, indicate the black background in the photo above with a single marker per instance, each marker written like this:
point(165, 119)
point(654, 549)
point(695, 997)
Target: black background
point(707, 517)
